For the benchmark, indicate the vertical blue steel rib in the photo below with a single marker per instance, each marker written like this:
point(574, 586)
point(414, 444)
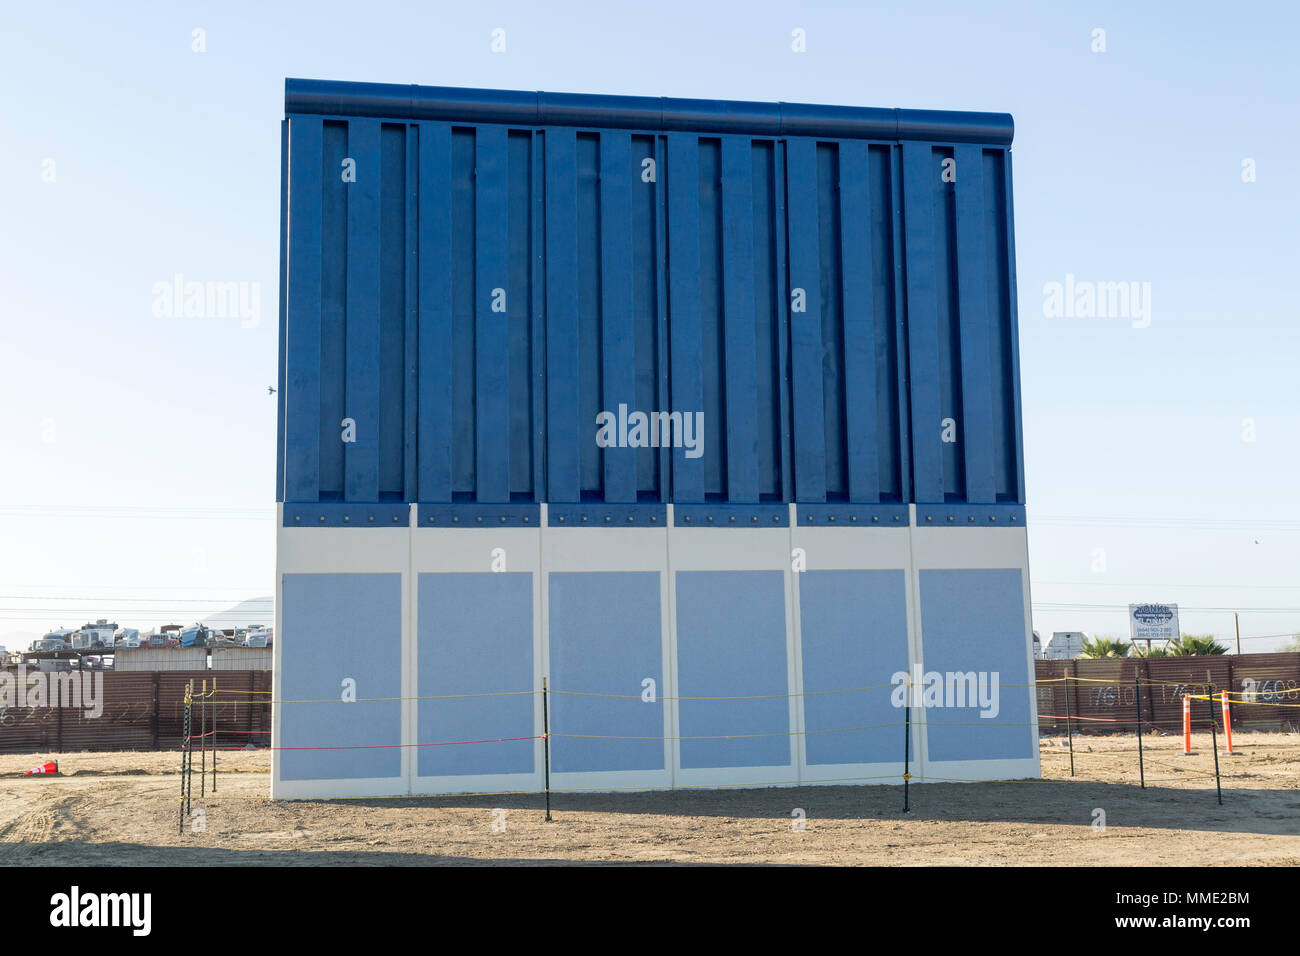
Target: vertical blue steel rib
point(563, 461)
point(806, 382)
point(519, 152)
point(712, 340)
point(302, 345)
point(922, 323)
point(434, 449)
point(284, 283)
point(897, 247)
point(1014, 326)
point(618, 357)
point(411, 351)
point(861, 412)
point(334, 309)
point(361, 391)
point(973, 323)
point(684, 307)
point(392, 313)
point(739, 321)
point(782, 292)
point(491, 326)
point(663, 395)
point(537, 299)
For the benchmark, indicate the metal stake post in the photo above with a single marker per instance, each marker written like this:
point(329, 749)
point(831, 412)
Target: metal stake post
point(203, 741)
point(1069, 725)
point(189, 747)
point(185, 735)
point(1214, 742)
point(1142, 776)
point(907, 754)
point(546, 749)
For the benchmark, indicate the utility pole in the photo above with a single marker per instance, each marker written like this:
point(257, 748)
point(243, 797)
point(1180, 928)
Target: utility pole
point(1236, 626)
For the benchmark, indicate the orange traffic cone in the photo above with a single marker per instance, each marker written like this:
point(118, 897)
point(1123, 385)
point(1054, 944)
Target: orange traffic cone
point(50, 766)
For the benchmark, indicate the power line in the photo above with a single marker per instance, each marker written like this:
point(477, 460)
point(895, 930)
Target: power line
point(1084, 606)
point(1130, 584)
point(65, 614)
point(1164, 521)
point(107, 607)
point(154, 587)
point(125, 511)
point(169, 602)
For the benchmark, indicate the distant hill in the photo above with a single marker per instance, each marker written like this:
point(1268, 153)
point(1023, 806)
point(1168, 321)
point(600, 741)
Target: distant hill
point(259, 610)
point(17, 640)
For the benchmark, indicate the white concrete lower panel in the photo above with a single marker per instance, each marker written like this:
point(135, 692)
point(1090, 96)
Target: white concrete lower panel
point(337, 588)
point(732, 633)
point(674, 657)
point(972, 606)
point(476, 660)
point(605, 623)
point(854, 628)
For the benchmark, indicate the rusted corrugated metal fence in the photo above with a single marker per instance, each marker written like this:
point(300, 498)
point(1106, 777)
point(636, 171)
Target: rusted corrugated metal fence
point(138, 711)
point(145, 710)
point(1103, 694)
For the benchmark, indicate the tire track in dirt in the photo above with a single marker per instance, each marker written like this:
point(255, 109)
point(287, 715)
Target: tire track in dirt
point(121, 809)
point(36, 818)
point(25, 832)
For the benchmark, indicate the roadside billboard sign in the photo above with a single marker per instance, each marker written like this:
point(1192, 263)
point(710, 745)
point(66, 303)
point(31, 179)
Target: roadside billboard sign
point(1153, 622)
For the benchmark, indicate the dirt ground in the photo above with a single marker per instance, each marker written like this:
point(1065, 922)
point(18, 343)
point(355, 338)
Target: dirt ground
point(122, 809)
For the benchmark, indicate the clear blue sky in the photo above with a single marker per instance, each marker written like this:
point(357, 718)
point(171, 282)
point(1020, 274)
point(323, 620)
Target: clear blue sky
point(137, 468)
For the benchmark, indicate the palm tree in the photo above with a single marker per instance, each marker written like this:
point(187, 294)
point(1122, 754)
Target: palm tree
point(1139, 651)
point(1191, 645)
point(1105, 647)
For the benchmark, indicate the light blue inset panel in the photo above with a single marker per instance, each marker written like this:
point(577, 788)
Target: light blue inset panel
point(731, 643)
point(974, 621)
point(475, 637)
point(854, 634)
point(339, 626)
point(606, 638)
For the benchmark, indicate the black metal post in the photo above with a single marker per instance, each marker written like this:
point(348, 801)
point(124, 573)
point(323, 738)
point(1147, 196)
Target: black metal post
point(907, 753)
point(189, 747)
point(185, 732)
point(1214, 743)
point(1137, 687)
point(1069, 724)
point(203, 741)
point(546, 749)
point(189, 761)
point(156, 708)
point(188, 783)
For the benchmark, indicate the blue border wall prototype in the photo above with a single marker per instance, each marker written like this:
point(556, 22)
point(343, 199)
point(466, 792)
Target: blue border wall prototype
point(705, 412)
